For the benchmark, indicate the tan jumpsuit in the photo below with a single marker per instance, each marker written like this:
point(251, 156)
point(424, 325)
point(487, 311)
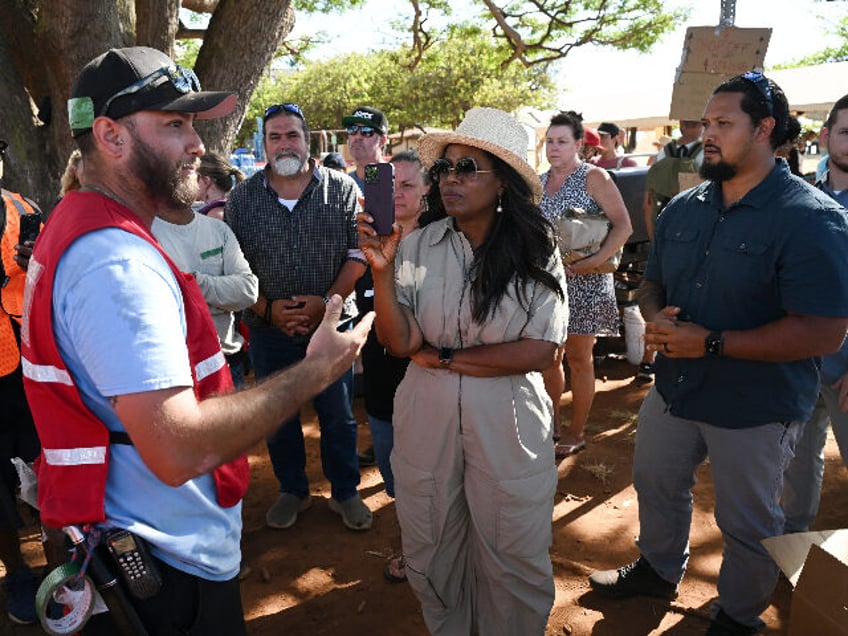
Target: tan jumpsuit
point(473, 457)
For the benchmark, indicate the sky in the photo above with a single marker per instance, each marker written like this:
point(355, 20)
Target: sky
point(796, 32)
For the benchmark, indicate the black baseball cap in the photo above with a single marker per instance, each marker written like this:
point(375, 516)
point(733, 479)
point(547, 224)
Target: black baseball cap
point(609, 129)
point(367, 116)
point(124, 81)
point(334, 160)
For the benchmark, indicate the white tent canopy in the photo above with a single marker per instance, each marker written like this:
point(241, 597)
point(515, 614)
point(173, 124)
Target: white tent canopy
point(810, 89)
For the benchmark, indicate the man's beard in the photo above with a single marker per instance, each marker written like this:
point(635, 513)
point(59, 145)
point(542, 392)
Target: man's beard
point(717, 172)
point(163, 180)
point(288, 163)
point(841, 163)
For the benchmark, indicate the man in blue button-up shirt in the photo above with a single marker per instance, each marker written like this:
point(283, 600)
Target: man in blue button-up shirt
point(745, 288)
point(803, 478)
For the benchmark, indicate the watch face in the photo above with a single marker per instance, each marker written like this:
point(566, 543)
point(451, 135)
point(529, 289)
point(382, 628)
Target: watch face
point(713, 344)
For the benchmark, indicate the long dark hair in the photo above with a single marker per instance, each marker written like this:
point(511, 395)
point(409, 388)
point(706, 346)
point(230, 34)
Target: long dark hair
point(518, 248)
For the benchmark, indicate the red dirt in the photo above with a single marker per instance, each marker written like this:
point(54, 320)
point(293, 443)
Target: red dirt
point(318, 578)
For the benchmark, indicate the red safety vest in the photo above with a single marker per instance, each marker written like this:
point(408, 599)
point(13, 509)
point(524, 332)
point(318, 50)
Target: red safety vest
point(12, 290)
point(73, 465)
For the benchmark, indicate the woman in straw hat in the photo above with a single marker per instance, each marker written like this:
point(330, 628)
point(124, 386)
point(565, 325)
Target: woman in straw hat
point(476, 298)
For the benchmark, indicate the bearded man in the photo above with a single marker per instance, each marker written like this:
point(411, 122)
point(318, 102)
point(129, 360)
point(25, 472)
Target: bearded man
point(745, 288)
point(295, 221)
point(143, 440)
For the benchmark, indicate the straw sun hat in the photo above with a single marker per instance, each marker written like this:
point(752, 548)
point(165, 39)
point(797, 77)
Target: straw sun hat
point(491, 130)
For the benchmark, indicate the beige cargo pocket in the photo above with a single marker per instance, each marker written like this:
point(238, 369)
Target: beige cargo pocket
point(525, 507)
point(415, 502)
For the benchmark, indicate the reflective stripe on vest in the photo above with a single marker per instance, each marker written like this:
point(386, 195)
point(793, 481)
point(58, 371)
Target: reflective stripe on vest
point(210, 365)
point(45, 373)
point(75, 456)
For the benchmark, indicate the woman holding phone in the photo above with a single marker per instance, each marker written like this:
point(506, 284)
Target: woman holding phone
point(475, 298)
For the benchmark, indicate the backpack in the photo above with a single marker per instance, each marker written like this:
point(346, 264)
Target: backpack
point(673, 173)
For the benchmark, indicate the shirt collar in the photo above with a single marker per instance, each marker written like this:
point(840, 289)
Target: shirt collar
point(756, 197)
point(442, 228)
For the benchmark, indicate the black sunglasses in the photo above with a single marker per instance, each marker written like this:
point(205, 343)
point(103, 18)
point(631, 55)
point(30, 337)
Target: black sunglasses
point(365, 131)
point(761, 82)
point(294, 109)
point(464, 170)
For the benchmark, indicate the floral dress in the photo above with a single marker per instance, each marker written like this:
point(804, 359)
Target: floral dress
point(591, 297)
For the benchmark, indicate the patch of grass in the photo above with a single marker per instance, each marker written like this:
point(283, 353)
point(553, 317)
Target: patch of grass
point(600, 471)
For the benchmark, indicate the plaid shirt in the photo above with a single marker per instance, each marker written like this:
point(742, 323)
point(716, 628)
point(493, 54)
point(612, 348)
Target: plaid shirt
point(297, 251)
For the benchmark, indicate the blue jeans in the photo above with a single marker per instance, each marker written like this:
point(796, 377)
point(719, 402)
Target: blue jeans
point(272, 351)
point(383, 439)
point(802, 482)
point(747, 467)
point(236, 366)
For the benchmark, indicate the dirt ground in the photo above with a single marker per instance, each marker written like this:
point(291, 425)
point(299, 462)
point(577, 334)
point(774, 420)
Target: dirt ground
point(319, 578)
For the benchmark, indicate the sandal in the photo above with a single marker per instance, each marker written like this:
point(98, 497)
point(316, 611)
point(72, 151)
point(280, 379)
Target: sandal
point(395, 570)
point(561, 451)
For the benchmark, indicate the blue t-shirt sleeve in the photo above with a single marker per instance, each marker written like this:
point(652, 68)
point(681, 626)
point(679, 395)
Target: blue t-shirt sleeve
point(119, 318)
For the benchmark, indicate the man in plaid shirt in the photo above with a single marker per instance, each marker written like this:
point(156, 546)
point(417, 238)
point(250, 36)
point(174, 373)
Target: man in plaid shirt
point(295, 221)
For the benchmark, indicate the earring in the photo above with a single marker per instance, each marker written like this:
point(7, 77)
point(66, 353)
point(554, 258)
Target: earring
point(499, 209)
point(424, 205)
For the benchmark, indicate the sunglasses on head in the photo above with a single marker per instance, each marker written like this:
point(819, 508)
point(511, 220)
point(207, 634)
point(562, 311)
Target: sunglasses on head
point(365, 131)
point(182, 79)
point(464, 170)
point(761, 82)
point(294, 109)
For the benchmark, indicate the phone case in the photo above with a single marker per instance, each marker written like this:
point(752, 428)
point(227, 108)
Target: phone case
point(30, 226)
point(380, 196)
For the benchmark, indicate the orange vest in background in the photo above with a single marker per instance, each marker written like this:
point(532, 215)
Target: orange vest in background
point(14, 278)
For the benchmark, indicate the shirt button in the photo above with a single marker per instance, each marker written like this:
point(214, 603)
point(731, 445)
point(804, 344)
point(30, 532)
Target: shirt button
point(742, 246)
point(679, 379)
point(699, 285)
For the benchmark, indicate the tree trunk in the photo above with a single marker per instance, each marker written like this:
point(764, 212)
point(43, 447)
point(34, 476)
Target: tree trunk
point(44, 44)
point(156, 23)
point(241, 39)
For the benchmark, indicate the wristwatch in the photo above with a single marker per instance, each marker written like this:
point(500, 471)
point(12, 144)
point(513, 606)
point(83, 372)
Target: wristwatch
point(714, 344)
point(445, 356)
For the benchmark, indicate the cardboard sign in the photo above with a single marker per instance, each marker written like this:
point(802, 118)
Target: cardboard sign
point(691, 92)
point(816, 563)
point(726, 50)
point(712, 55)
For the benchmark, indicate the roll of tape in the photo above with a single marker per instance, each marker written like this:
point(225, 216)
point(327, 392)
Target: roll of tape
point(64, 601)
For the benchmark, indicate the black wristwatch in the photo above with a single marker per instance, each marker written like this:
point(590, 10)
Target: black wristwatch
point(714, 344)
point(445, 356)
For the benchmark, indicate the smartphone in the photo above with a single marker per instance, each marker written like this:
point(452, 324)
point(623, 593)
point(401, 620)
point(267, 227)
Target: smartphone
point(380, 196)
point(138, 569)
point(30, 227)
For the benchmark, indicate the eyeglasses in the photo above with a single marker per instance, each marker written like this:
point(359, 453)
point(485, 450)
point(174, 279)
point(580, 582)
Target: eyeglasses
point(464, 170)
point(182, 79)
point(761, 82)
point(365, 131)
point(294, 109)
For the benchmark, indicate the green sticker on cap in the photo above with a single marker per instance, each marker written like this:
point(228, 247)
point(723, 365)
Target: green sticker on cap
point(80, 113)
